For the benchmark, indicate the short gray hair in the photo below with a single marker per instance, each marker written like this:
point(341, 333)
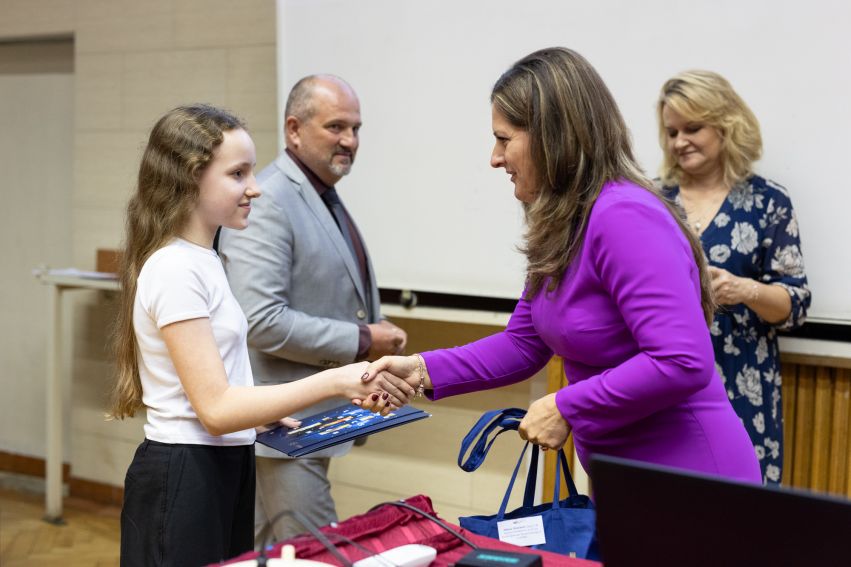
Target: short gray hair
point(299, 102)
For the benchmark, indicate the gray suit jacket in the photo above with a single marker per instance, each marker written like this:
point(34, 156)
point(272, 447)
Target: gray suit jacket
point(298, 284)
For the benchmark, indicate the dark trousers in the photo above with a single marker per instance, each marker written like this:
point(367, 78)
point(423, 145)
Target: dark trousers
point(187, 505)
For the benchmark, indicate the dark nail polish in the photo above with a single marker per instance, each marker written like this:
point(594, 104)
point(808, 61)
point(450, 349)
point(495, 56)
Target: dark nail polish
point(385, 395)
point(374, 397)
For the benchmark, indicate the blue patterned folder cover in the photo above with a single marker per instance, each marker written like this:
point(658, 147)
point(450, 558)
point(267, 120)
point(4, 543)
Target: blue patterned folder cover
point(335, 426)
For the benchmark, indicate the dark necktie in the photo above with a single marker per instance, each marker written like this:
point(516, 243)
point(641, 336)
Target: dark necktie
point(332, 201)
point(336, 206)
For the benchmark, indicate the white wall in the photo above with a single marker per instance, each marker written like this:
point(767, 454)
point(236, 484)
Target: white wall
point(131, 62)
point(438, 218)
point(35, 157)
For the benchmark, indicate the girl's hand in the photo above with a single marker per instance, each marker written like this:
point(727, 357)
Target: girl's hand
point(387, 391)
point(288, 422)
point(377, 403)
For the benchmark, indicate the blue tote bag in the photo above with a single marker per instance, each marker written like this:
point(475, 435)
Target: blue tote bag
point(569, 524)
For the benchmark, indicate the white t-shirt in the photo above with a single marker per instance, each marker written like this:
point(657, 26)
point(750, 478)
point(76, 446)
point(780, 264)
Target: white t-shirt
point(182, 281)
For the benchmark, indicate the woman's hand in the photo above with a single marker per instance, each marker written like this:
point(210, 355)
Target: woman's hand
point(381, 394)
point(544, 425)
point(403, 372)
point(730, 289)
point(771, 303)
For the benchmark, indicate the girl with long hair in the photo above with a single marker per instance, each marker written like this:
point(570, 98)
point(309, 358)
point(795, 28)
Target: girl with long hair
point(181, 351)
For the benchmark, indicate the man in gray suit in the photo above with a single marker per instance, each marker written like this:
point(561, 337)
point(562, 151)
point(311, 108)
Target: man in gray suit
point(302, 274)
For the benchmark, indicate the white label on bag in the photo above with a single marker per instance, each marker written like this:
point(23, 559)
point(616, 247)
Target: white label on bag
point(522, 531)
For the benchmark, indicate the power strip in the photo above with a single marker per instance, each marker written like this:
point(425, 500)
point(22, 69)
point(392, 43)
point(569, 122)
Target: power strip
point(494, 558)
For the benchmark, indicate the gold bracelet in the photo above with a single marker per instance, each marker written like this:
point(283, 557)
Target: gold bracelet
point(421, 370)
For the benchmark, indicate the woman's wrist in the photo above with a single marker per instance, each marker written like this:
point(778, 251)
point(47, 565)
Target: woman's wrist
point(771, 302)
point(420, 374)
point(751, 292)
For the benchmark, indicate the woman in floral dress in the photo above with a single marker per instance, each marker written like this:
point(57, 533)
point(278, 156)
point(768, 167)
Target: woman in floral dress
point(749, 232)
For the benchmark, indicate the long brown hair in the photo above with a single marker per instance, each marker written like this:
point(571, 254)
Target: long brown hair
point(708, 98)
point(578, 142)
point(180, 146)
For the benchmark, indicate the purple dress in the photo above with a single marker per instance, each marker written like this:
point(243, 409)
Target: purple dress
point(627, 320)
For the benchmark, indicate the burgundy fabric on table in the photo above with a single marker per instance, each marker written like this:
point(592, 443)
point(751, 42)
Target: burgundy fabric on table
point(391, 526)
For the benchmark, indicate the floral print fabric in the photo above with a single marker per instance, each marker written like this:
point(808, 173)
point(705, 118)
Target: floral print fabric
point(755, 235)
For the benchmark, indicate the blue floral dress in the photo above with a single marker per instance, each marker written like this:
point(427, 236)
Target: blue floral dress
point(755, 235)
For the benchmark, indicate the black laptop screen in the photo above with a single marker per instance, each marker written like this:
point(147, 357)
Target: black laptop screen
point(651, 515)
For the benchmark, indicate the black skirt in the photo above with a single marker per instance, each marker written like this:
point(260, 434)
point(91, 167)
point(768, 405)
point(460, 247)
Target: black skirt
point(187, 505)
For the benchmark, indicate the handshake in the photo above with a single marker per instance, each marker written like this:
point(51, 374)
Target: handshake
point(394, 382)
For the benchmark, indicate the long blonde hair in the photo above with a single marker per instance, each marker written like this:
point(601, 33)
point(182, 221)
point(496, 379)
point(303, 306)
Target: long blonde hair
point(578, 142)
point(180, 146)
point(708, 98)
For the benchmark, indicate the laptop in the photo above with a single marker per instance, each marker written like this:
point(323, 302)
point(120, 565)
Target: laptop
point(658, 516)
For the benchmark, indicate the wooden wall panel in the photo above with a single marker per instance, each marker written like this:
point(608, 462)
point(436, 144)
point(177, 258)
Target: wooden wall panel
point(820, 445)
point(839, 474)
point(556, 380)
point(801, 429)
point(789, 399)
point(817, 426)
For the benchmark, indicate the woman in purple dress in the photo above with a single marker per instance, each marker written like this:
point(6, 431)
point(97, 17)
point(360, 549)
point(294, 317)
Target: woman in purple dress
point(616, 285)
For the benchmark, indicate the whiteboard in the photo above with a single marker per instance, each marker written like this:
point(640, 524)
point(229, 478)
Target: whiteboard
point(435, 215)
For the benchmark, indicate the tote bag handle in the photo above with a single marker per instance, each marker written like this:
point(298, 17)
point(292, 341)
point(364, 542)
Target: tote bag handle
point(481, 437)
point(531, 480)
point(500, 421)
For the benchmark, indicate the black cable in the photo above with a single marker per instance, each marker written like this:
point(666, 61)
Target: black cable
point(262, 559)
point(363, 549)
point(264, 535)
point(360, 547)
point(402, 504)
point(315, 532)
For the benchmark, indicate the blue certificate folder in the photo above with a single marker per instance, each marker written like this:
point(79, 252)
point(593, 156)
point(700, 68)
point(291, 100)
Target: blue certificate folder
point(334, 426)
